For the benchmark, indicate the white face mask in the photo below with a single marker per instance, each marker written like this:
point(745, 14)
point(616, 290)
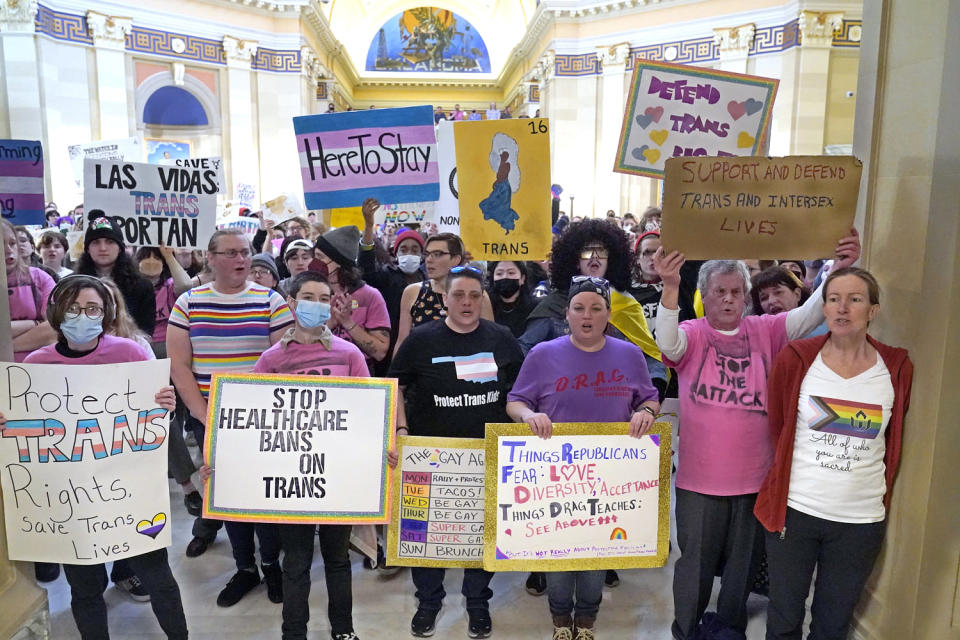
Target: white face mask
point(408, 263)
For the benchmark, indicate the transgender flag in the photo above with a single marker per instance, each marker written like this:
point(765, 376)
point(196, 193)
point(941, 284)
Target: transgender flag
point(387, 154)
point(480, 367)
point(21, 181)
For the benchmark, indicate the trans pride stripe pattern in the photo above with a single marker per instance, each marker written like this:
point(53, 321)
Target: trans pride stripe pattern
point(846, 418)
point(480, 367)
point(21, 181)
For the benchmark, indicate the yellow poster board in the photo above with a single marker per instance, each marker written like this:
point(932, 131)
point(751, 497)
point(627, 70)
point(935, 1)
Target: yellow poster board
point(438, 503)
point(503, 176)
point(589, 497)
point(347, 216)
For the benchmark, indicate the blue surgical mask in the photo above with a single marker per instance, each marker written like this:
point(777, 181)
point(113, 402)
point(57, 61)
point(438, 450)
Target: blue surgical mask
point(312, 314)
point(81, 330)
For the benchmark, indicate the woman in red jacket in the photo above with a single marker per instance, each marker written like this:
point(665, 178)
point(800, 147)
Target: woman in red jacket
point(836, 411)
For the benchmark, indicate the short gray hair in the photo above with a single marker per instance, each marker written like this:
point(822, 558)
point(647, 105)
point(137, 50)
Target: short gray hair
point(711, 268)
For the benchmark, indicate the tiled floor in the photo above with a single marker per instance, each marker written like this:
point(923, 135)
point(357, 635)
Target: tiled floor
point(641, 607)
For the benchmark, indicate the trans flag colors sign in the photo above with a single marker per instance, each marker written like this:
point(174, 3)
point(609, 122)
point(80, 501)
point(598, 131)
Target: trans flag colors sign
point(21, 181)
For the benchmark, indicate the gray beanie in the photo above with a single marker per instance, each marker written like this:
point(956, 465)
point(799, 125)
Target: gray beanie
point(266, 261)
point(342, 245)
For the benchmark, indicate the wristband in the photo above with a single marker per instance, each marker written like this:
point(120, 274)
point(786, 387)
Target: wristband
point(648, 410)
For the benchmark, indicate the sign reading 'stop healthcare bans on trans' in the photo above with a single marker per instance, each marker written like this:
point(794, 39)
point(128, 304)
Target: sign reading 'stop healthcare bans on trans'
point(156, 204)
point(387, 154)
point(83, 461)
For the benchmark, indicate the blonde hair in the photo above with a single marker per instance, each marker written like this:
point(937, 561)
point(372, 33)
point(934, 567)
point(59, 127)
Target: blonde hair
point(124, 325)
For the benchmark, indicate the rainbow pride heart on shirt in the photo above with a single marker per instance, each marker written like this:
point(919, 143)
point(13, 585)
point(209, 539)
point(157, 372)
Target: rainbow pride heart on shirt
point(152, 527)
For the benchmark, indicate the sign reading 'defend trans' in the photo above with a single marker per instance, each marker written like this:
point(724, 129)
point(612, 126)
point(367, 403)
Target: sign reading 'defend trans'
point(83, 461)
point(681, 110)
point(21, 181)
point(387, 154)
point(156, 204)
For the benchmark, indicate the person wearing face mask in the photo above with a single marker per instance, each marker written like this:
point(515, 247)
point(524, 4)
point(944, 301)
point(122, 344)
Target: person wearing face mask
point(169, 280)
point(390, 279)
point(510, 295)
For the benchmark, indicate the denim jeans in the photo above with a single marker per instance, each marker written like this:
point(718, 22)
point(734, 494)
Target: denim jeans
point(296, 540)
point(88, 582)
point(586, 585)
point(429, 584)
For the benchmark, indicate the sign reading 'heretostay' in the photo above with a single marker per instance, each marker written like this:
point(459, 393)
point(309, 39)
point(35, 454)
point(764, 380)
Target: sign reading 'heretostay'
point(387, 154)
point(759, 208)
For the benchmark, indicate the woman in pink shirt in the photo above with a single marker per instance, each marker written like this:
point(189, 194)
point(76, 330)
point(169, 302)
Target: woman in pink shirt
point(28, 288)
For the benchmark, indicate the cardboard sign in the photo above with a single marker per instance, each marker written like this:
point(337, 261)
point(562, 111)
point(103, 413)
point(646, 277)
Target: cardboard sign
point(216, 164)
point(248, 225)
point(21, 181)
point(504, 180)
point(448, 207)
point(763, 208)
point(83, 461)
point(154, 204)
point(282, 208)
point(438, 503)
point(387, 154)
point(299, 449)
point(128, 149)
point(681, 110)
point(590, 497)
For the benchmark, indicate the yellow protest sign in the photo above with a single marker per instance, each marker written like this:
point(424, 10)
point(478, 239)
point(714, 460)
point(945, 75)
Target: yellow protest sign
point(759, 208)
point(346, 216)
point(503, 176)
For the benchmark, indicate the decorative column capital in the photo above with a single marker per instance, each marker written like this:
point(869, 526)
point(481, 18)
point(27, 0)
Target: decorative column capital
point(239, 52)
point(18, 15)
point(817, 28)
point(547, 65)
point(614, 56)
point(108, 32)
point(735, 42)
point(310, 65)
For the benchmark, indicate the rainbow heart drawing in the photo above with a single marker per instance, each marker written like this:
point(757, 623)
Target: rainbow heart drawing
point(745, 140)
point(618, 534)
point(152, 527)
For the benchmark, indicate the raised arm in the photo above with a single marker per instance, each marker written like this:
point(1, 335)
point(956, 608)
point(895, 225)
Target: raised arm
point(670, 338)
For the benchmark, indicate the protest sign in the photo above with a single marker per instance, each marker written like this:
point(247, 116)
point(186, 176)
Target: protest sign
point(590, 497)
point(407, 213)
point(21, 181)
point(681, 110)
point(306, 449)
point(247, 224)
point(448, 207)
point(246, 193)
point(504, 188)
point(387, 154)
point(346, 216)
point(83, 461)
point(154, 204)
point(215, 164)
point(128, 149)
point(282, 208)
point(759, 208)
point(438, 503)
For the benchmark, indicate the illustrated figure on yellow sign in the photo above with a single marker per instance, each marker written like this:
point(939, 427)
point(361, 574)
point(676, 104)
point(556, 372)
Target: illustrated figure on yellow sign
point(497, 205)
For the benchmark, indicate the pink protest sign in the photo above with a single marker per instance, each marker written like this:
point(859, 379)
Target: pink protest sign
point(21, 181)
point(388, 154)
point(681, 110)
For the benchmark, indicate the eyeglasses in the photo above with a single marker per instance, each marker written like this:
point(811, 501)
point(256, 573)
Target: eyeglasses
point(92, 311)
point(437, 254)
point(600, 282)
point(260, 273)
point(588, 252)
point(232, 253)
point(458, 270)
point(649, 253)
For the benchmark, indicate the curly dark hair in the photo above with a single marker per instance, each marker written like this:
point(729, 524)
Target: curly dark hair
point(565, 261)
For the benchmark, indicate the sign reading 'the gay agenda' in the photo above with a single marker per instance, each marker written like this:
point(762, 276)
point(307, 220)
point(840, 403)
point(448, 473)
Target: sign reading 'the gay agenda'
point(387, 154)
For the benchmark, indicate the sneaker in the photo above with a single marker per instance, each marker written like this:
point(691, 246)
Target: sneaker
point(382, 568)
point(424, 622)
point(584, 633)
point(345, 636)
point(197, 546)
point(46, 571)
point(479, 624)
point(273, 576)
point(133, 588)
point(240, 585)
point(194, 503)
point(612, 579)
point(562, 633)
point(537, 583)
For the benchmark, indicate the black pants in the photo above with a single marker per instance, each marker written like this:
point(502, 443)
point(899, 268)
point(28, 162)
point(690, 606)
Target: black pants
point(241, 541)
point(843, 555)
point(88, 582)
point(714, 531)
point(202, 527)
point(429, 584)
point(297, 543)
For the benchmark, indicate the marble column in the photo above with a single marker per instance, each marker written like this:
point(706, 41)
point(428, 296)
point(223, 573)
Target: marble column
point(734, 46)
point(239, 136)
point(610, 108)
point(109, 37)
point(20, 76)
point(812, 80)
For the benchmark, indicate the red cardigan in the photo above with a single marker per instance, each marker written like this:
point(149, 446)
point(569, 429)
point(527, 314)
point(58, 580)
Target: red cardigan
point(789, 369)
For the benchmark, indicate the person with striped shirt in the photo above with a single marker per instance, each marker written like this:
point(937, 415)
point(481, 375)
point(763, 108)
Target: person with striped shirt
point(223, 327)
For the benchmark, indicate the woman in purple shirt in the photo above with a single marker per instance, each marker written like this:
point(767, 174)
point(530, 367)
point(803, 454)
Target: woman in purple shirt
point(584, 377)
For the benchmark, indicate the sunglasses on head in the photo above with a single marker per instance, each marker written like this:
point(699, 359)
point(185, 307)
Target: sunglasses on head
point(600, 282)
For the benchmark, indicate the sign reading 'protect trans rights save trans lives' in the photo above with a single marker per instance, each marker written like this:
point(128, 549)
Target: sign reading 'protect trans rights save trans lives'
point(387, 154)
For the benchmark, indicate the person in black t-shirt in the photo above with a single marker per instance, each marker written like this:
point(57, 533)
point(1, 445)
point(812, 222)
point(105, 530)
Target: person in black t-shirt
point(460, 369)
